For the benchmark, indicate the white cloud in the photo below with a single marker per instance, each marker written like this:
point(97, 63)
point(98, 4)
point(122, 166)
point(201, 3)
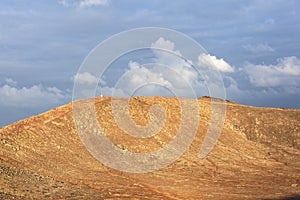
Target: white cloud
point(258, 48)
point(208, 60)
point(162, 43)
point(87, 78)
point(83, 3)
point(30, 97)
point(285, 73)
point(133, 65)
point(289, 66)
point(168, 72)
point(173, 59)
point(87, 85)
point(89, 3)
point(11, 82)
point(141, 74)
point(166, 53)
point(55, 90)
point(138, 76)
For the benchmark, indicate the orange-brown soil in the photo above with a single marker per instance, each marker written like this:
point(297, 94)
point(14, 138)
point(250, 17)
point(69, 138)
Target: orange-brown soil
point(256, 157)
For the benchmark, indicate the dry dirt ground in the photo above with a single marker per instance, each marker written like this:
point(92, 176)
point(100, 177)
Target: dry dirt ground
point(256, 157)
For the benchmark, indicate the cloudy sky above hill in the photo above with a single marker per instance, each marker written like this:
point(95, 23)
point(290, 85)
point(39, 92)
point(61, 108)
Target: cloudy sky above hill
point(255, 45)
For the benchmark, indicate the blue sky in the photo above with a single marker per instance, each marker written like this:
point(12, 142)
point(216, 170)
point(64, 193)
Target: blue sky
point(43, 43)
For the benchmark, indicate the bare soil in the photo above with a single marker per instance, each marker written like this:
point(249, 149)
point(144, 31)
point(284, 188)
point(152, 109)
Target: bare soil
point(256, 157)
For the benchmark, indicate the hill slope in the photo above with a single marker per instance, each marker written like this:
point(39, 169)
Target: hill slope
point(256, 157)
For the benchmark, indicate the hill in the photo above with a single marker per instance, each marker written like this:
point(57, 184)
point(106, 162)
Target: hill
point(256, 157)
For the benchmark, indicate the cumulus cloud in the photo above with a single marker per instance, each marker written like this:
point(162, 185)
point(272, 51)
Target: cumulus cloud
point(173, 59)
point(166, 72)
point(139, 80)
point(17, 103)
point(87, 85)
point(140, 74)
point(89, 3)
point(286, 72)
point(83, 3)
point(10, 81)
point(208, 60)
point(258, 48)
point(164, 44)
point(87, 78)
point(35, 96)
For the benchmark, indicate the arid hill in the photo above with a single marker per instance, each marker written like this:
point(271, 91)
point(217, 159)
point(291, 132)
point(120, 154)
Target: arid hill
point(257, 156)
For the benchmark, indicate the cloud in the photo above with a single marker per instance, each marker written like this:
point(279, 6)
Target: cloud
point(258, 48)
point(87, 78)
point(37, 38)
point(17, 103)
point(139, 80)
point(11, 82)
point(214, 62)
point(87, 85)
point(167, 74)
point(140, 75)
point(83, 3)
point(55, 90)
point(286, 72)
point(162, 43)
point(35, 96)
point(171, 57)
point(89, 3)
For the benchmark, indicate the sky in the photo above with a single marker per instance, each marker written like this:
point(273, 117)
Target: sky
point(255, 45)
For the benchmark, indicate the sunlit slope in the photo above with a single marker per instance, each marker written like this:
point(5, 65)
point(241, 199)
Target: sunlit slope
point(257, 156)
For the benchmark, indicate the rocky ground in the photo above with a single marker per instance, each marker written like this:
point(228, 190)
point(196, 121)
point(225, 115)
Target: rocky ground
point(256, 157)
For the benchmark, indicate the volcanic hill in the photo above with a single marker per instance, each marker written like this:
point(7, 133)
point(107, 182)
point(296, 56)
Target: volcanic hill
point(256, 157)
